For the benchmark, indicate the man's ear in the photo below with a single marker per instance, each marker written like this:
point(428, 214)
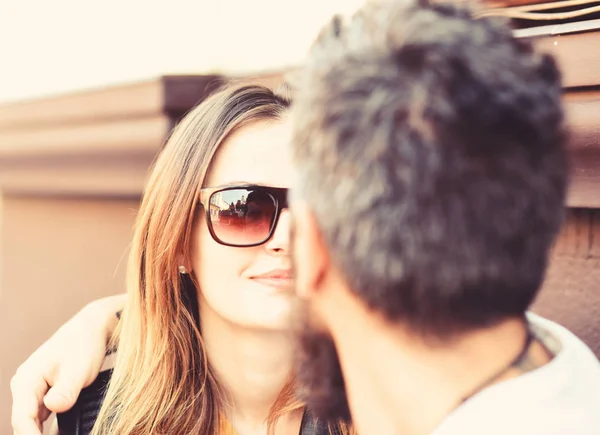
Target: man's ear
point(311, 258)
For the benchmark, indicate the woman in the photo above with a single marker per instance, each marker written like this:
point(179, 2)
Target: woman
point(203, 346)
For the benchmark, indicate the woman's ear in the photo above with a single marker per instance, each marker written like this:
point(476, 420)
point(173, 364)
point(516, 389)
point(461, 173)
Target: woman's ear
point(183, 265)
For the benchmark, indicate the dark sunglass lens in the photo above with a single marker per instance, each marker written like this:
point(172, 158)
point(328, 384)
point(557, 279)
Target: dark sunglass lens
point(242, 216)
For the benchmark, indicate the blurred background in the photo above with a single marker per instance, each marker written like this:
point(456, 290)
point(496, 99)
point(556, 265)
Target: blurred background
point(90, 90)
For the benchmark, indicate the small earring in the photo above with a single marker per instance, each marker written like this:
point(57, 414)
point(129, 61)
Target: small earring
point(182, 270)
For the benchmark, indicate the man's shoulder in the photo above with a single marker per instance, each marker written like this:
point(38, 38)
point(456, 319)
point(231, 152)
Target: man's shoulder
point(503, 426)
point(572, 356)
point(562, 397)
point(528, 414)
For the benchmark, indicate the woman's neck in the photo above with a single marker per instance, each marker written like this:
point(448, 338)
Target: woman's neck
point(251, 365)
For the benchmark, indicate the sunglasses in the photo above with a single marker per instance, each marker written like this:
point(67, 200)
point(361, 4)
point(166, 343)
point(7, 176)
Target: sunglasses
point(243, 216)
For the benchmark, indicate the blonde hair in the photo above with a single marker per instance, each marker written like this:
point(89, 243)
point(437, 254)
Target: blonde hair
point(162, 382)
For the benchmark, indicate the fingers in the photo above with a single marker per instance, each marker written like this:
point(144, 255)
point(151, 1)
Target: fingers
point(59, 400)
point(33, 400)
point(51, 379)
point(73, 376)
point(27, 427)
point(28, 412)
point(54, 427)
point(62, 396)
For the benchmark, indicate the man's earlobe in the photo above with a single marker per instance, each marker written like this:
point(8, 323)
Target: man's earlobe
point(310, 251)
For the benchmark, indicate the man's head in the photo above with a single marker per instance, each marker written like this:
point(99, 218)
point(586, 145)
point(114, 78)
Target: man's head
point(431, 175)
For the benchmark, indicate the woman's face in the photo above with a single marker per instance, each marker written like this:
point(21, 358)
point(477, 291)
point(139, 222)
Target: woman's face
point(249, 287)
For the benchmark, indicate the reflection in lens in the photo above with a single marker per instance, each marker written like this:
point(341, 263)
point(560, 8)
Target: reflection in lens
point(242, 216)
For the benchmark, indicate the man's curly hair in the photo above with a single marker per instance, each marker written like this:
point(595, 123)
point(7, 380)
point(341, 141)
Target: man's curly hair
point(431, 148)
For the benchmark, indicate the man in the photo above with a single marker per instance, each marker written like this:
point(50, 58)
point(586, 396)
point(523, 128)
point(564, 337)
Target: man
point(431, 156)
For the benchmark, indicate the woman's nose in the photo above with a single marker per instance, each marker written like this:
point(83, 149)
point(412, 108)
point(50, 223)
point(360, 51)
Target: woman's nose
point(280, 240)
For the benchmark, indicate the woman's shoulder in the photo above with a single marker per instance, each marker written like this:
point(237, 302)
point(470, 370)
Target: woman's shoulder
point(80, 419)
point(313, 426)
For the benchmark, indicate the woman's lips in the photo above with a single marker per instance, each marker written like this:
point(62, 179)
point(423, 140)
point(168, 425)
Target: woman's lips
point(279, 278)
point(274, 282)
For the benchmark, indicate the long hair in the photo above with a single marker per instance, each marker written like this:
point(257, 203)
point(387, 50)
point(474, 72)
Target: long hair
point(162, 381)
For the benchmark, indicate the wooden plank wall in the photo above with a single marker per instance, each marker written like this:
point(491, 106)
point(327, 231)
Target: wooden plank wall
point(571, 292)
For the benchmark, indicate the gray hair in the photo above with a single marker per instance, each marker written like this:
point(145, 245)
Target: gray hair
point(431, 148)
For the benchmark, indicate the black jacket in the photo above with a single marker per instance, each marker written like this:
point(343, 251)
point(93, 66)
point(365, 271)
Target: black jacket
point(80, 419)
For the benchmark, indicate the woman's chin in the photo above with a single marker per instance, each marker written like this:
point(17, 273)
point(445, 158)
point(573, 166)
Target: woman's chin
point(270, 314)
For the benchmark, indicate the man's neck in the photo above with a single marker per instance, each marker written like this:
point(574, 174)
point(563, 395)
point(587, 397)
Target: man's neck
point(251, 365)
point(396, 383)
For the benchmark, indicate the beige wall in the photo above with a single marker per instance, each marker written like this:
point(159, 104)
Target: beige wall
point(56, 255)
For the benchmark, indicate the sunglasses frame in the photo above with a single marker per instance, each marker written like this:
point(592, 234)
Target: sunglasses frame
point(277, 194)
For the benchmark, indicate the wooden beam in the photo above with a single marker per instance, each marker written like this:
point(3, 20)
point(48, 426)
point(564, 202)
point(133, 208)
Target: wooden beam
point(122, 136)
point(171, 96)
point(583, 115)
point(577, 54)
point(91, 143)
